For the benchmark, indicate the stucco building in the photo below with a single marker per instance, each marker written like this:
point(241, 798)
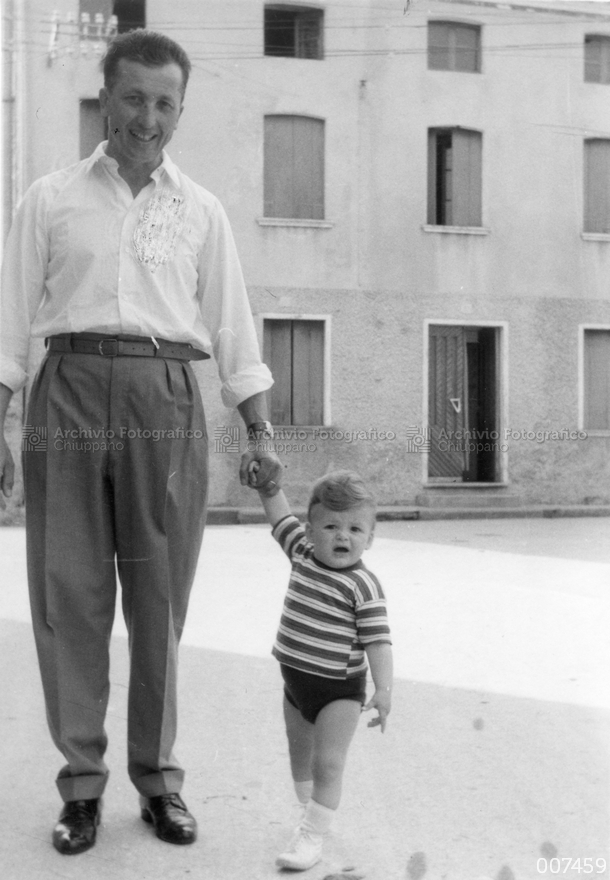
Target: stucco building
point(420, 194)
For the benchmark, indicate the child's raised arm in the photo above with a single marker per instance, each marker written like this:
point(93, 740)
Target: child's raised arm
point(379, 655)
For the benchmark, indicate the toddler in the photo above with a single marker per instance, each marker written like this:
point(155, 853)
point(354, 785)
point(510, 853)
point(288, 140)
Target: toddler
point(334, 619)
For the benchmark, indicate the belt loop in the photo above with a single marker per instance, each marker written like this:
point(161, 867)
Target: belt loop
point(156, 344)
point(70, 341)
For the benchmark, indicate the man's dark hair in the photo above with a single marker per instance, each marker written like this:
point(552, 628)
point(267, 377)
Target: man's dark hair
point(146, 47)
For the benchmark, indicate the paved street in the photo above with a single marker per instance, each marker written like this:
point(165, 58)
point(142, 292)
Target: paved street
point(495, 763)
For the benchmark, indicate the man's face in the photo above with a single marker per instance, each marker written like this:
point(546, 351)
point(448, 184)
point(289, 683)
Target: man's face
point(143, 108)
point(340, 537)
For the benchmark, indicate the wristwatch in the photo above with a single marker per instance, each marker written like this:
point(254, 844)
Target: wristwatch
point(260, 431)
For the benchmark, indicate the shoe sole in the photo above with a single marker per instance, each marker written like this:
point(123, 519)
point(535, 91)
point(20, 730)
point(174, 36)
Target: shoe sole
point(285, 863)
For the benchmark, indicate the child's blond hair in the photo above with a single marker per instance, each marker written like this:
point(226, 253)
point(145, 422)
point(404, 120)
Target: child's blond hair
point(340, 490)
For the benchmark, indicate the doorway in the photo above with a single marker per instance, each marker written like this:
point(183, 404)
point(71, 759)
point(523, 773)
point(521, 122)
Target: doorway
point(463, 404)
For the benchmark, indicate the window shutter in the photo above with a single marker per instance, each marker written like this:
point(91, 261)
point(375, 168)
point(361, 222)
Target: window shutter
point(432, 175)
point(597, 186)
point(308, 168)
point(293, 175)
point(592, 60)
point(467, 168)
point(438, 46)
point(277, 347)
point(307, 372)
point(597, 380)
point(277, 172)
point(466, 49)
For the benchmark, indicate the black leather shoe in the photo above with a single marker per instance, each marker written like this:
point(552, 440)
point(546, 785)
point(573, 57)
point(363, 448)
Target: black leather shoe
point(173, 822)
point(76, 829)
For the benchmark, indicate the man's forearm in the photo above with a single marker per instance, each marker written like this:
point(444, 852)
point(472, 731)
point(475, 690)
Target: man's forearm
point(254, 409)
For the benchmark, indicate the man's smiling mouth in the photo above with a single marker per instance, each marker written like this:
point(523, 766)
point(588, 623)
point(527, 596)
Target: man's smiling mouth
point(144, 138)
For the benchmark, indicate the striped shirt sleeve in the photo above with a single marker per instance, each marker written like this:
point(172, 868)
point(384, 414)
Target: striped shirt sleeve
point(371, 610)
point(290, 535)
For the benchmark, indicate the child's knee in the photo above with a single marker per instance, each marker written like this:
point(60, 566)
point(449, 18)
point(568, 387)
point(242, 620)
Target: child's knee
point(328, 766)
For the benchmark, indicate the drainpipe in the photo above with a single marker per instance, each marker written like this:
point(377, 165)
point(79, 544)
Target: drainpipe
point(12, 146)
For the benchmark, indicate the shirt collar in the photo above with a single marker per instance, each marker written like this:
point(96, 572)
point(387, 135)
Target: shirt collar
point(166, 167)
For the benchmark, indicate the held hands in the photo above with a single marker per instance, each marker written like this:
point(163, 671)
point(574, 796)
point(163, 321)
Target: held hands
point(257, 480)
point(382, 701)
point(268, 472)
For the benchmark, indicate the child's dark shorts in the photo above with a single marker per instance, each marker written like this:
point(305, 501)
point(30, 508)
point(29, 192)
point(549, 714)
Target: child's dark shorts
point(311, 693)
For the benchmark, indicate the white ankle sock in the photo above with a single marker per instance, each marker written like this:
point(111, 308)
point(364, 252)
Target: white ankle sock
point(317, 818)
point(304, 790)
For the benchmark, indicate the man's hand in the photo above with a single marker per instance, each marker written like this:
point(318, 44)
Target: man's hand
point(268, 473)
point(7, 471)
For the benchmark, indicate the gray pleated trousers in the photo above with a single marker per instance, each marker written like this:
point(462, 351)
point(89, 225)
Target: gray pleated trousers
point(134, 503)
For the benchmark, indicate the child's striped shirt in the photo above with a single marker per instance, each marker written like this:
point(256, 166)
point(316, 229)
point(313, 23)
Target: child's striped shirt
point(329, 614)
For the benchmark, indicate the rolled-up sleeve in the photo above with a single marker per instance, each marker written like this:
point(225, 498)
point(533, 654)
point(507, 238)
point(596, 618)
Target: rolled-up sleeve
point(226, 312)
point(24, 269)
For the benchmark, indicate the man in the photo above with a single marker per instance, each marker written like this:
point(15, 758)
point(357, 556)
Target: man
point(129, 271)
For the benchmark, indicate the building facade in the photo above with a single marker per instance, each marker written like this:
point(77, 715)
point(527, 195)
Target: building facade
point(420, 194)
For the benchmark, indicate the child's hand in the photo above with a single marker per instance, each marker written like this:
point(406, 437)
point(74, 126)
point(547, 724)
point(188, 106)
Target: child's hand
point(382, 701)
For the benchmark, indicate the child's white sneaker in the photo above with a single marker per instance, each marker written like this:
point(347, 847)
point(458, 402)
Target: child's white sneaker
point(304, 851)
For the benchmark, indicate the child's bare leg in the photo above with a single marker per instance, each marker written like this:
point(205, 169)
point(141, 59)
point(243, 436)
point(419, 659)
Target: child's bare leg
point(300, 747)
point(332, 734)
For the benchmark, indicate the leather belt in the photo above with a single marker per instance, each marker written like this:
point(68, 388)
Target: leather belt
point(123, 346)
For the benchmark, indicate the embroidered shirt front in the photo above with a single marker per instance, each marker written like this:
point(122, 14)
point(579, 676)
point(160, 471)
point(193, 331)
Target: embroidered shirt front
point(159, 227)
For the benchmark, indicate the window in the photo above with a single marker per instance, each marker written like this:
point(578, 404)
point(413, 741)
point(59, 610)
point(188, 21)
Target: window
point(597, 59)
point(597, 186)
point(453, 46)
point(294, 167)
point(294, 352)
point(293, 31)
point(454, 177)
point(597, 380)
point(93, 126)
point(130, 13)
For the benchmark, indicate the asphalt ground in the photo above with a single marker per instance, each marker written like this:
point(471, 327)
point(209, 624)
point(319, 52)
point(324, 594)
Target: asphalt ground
point(495, 764)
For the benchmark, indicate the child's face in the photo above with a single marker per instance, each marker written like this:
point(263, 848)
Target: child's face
point(340, 537)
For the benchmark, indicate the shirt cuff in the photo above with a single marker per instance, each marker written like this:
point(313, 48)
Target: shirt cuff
point(12, 375)
point(243, 385)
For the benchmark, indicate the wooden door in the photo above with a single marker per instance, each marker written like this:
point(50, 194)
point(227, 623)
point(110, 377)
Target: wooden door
point(447, 402)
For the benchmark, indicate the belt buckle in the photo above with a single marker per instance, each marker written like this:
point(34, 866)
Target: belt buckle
point(113, 342)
